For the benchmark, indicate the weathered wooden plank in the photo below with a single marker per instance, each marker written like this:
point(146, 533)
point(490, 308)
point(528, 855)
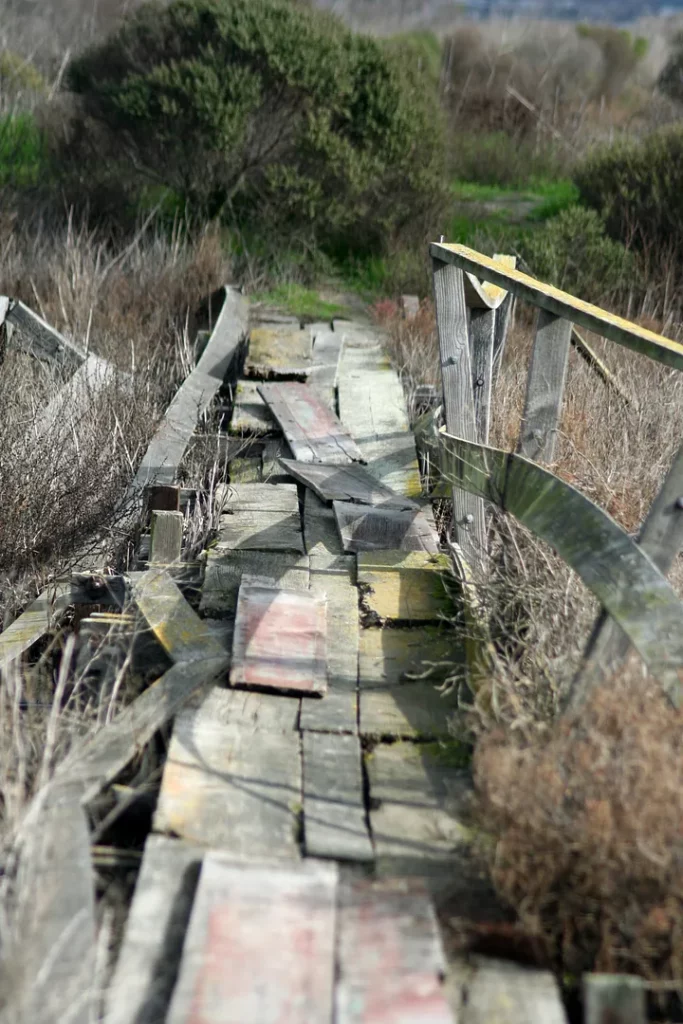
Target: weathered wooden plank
point(456, 371)
point(404, 585)
point(497, 990)
point(391, 964)
point(53, 941)
point(613, 567)
point(322, 379)
point(271, 470)
point(482, 335)
point(256, 497)
point(77, 396)
point(334, 581)
point(260, 946)
point(392, 702)
point(410, 306)
point(253, 712)
point(334, 808)
point(320, 529)
point(173, 621)
point(278, 351)
point(346, 483)
point(251, 415)
point(166, 540)
point(36, 337)
point(259, 517)
point(224, 571)
point(415, 800)
point(273, 316)
point(500, 337)
point(614, 998)
point(382, 529)
point(146, 969)
point(222, 789)
point(561, 304)
point(161, 498)
point(661, 538)
point(280, 641)
point(38, 618)
point(313, 431)
point(545, 388)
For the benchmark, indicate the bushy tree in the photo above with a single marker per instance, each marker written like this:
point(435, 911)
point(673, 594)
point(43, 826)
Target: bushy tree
point(670, 80)
point(264, 111)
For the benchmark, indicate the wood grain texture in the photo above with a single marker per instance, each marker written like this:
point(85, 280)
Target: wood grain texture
point(166, 537)
point(393, 703)
point(615, 998)
point(278, 351)
point(391, 964)
point(259, 516)
point(456, 373)
point(503, 320)
point(312, 430)
point(250, 415)
point(322, 379)
point(496, 990)
point(223, 789)
point(260, 946)
point(173, 621)
point(347, 483)
point(147, 965)
point(32, 624)
point(613, 567)
point(482, 336)
point(320, 529)
point(545, 388)
point(406, 586)
point(335, 823)
point(36, 337)
point(561, 304)
point(280, 641)
point(385, 529)
point(224, 571)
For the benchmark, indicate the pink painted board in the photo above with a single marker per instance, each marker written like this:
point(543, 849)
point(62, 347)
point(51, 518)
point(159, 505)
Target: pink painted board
point(391, 963)
point(280, 640)
point(260, 945)
point(313, 431)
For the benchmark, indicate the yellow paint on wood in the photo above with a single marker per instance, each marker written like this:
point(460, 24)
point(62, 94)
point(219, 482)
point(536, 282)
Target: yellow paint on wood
point(405, 586)
point(484, 294)
point(278, 349)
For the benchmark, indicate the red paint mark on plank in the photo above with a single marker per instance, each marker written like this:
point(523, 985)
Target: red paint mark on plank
point(313, 431)
point(280, 640)
point(260, 946)
point(391, 961)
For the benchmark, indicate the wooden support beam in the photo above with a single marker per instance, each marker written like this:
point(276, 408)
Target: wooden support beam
point(545, 388)
point(482, 335)
point(614, 998)
point(166, 540)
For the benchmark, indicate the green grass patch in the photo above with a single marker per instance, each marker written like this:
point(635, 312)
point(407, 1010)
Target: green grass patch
point(300, 301)
point(450, 753)
point(23, 160)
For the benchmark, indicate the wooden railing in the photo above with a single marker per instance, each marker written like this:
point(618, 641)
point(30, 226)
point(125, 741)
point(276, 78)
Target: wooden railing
point(473, 295)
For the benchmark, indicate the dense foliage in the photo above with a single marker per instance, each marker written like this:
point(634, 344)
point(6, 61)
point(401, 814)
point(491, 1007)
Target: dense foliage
point(263, 111)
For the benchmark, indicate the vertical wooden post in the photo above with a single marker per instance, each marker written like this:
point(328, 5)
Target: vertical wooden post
point(456, 373)
point(614, 998)
point(482, 335)
point(545, 387)
point(503, 321)
point(167, 537)
point(661, 537)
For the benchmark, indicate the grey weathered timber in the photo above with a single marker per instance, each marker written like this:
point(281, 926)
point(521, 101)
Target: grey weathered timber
point(312, 430)
point(38, 618)
point(482, 336)
point(36, 337)
point(500, 337)
point(259, 516)
point(365, 528)
point(496, 990)
point(224, 571)
point(322, 379)
point(162, 498)
point(613, 567)
point(410, 306)
point(225, 787)
point(173, 621)
point(399, 670)
point(95, 763)
point(456, 372)
point(333, 578)
point(391, 964)
point(346, 483)
point(278, 351)
point(75, 399)
point(146, 969)
point(167, 537)
point(260, 945)
point(55, 933)
point(561, 304)
point(335, 824)
point(271, 470)
point(320, 529)
point(545, 388)
point(404, 585)
point(661, 538)
point(250, 415)
point(615, 998)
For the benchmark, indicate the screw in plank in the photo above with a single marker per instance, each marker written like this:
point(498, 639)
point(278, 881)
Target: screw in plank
point(479, 382)
point(468, 520)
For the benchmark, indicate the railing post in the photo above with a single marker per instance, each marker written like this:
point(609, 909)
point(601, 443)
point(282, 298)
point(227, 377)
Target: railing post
point(545, 387)
point(482, 337)
point(456, 372)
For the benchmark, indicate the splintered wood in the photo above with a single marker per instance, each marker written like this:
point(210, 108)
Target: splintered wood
point(314, 433)
point(346, 483)
point(280, 641)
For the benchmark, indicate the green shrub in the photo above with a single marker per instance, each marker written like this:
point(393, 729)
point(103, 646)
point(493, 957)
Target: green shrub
point(22, 153)
point(263, 112)
point(621, 54)
point(637, 186)
point(670, 80)
point(18, 75)
point(497, 158)
point(574, 252)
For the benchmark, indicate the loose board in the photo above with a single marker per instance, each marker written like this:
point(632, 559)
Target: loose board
point(334, 808)
point(278, 351)
point(381, 529)
point(405, 586)
point(313, 431)
point(250, 415)
point(224, 571)
point(347, 483)
point(262, 517)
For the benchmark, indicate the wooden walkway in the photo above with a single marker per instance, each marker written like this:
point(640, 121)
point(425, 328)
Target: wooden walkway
point(310, 815)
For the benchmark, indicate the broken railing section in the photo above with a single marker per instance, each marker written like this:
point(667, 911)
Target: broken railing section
point(30, 333)
point(472, 294)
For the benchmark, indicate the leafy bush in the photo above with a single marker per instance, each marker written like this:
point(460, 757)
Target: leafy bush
point(621, 54)
point(574, 252)
point(637, 186)
point(18, 75)
point(262, 111)
point(22, 154)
